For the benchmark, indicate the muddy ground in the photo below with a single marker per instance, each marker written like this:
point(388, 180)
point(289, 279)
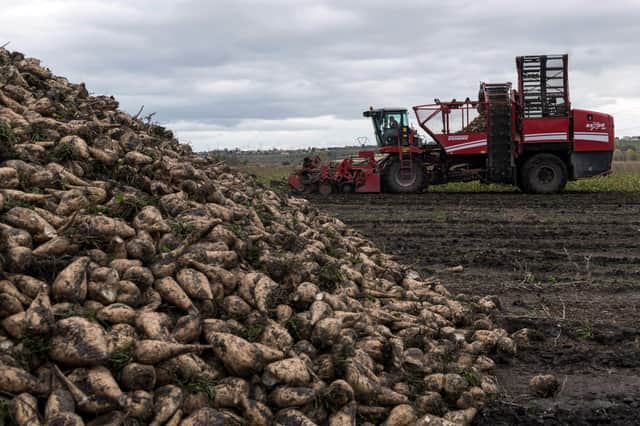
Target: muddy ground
point(565, 266)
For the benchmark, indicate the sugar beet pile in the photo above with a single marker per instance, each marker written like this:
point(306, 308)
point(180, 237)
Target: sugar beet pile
point(145, 284)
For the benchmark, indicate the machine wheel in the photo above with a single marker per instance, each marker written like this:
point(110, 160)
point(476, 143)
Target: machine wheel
point(544, 174)
point(398, 183)
point(347, 188)
point(325, 189)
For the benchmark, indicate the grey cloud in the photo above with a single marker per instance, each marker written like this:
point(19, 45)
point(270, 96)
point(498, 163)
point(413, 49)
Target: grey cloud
point(224, 62)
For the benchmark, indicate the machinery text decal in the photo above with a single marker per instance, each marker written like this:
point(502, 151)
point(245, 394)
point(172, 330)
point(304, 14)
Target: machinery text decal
point(596, 125)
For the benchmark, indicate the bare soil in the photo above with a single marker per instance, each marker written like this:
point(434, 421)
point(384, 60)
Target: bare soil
point(565, 266)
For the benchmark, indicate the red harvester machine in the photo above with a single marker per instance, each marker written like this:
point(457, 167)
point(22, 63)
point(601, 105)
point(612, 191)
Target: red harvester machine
point(529, 137)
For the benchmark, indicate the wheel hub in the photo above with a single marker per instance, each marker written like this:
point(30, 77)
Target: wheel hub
point(546, 175)
point(408, 179)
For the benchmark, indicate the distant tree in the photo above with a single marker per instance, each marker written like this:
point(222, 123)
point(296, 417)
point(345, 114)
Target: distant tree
point(631, 155)
point(618, 155)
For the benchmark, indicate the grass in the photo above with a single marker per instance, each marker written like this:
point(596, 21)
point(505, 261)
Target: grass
point(201, 385)
point(60, 153)
point(127, 207)
point(623, 181)
point(253, 332)
point(5, 412)
point(266, 174)
point(100, 170)
point(121, 357)
point(619, 181)
point(272, 177)
point(37, 132)
point(238, 230)
point(329, 276)
point(33, 347)
point(11, 202)
point(7, 140)
point(472, 377)
point(265, 216)
point(253, 253)
point(474, 186)
point(74, 310)
point(585, 332)
point(181, 228)
point(293, 327)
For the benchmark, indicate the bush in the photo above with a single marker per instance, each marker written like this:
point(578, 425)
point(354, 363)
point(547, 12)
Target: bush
point(631, 155)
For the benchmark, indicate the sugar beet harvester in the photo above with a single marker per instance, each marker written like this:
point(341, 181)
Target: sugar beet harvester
point(529, 137)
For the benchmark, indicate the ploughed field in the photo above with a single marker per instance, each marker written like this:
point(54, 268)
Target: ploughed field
point(567, 267)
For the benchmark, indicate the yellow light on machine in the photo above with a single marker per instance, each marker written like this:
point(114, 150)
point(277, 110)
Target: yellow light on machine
point(405, 149)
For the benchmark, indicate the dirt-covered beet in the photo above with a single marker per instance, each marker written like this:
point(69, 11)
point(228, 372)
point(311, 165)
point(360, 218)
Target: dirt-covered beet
point(142, 283)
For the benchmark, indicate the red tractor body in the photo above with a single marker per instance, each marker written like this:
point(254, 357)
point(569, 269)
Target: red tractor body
point(529, 137)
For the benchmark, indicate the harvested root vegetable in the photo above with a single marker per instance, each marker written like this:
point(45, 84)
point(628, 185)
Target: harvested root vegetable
point(339, 393)
point(288, 396)
point(39, 316)
point(30, 221)
point(291, 371)
point(25, 410)
point(194, 283)
point(255, 412)
point(117, 313)
point(78, 342)
point(238, 356)
point(187, 329)
point(136, 376)
point(167, 401)
point(59, 401)
point(139, 404)
point(170, 291)
point(205, 417)
point(103, 384)
point(544, 385)
point(71, 284)
point(227, 393)
point(291, 416)
point(145, 283)
point(16, 380)
point(155, 351)
point(9, 305)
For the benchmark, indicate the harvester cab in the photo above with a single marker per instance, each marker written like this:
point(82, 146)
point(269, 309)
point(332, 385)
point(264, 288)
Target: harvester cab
point(391, 127)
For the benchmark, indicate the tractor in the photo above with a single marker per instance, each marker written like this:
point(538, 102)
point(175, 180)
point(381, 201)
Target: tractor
point(527, 136)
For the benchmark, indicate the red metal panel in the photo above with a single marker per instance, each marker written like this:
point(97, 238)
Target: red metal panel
point(592, 131)
point(371, 183)
point(294, 181)
point(464, 143)
point(545, 130)
point(397, 149)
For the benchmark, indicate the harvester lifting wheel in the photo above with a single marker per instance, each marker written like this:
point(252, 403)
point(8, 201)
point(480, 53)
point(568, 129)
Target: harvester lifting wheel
point(544, 174)
point(346, 188)
point(325, 189)
point(407, 180)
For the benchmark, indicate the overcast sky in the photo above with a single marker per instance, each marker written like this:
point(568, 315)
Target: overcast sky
point(297, 73)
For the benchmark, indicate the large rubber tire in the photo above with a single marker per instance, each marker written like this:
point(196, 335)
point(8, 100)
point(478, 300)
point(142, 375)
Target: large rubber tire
point(397, 183)
point(347, 188)
point(544, 174)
